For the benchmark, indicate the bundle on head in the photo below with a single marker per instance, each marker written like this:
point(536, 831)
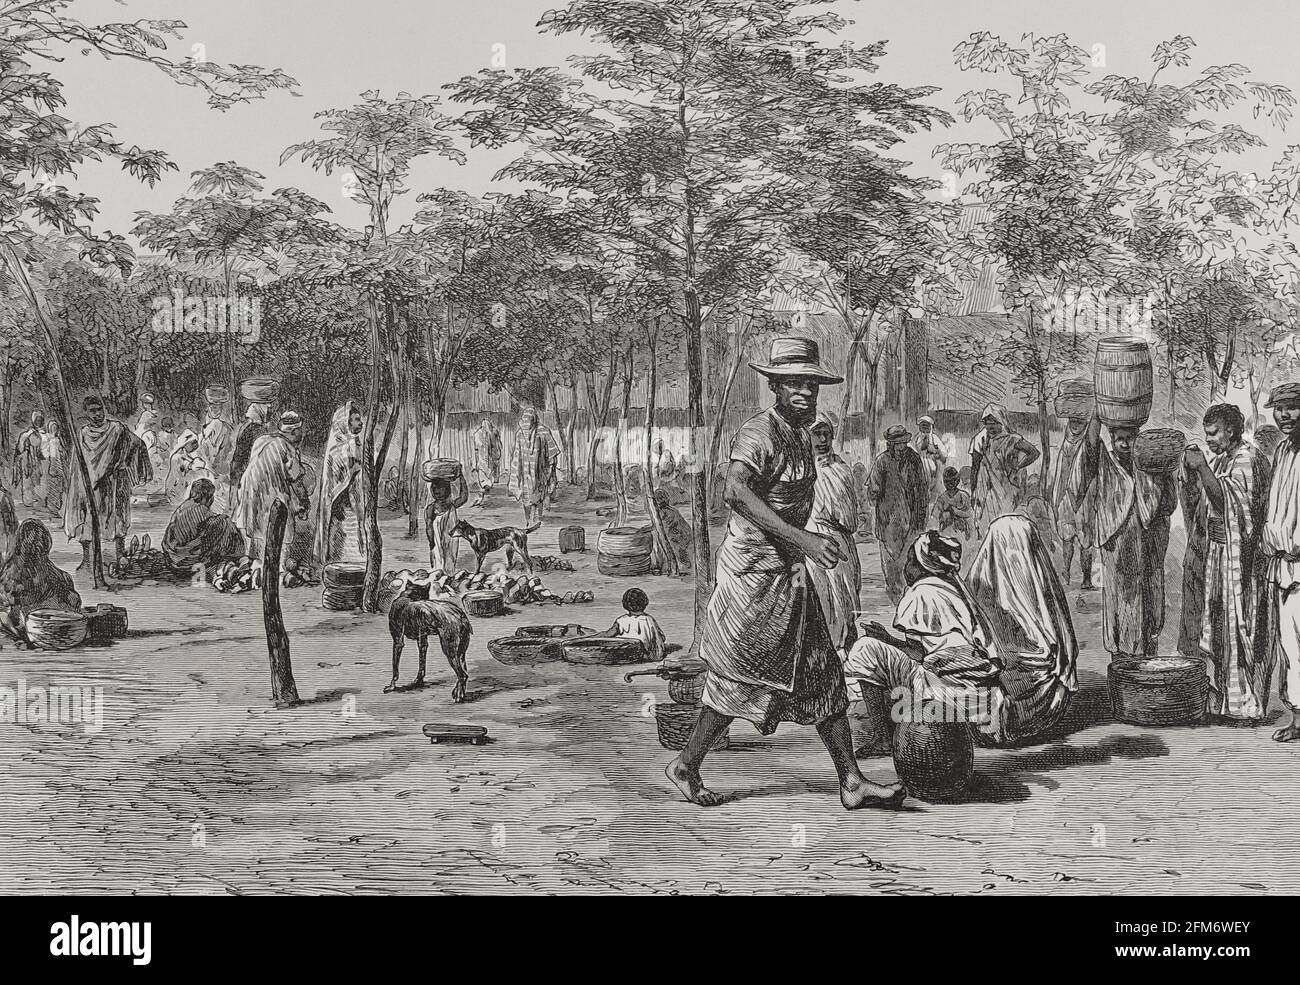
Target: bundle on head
point(1075, 398)
point(1159, 449)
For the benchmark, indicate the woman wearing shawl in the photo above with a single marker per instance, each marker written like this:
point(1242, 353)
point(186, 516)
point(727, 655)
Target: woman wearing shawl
point(933, 451)
point(1231, 487)
point(29, 580)
point(196, 538)
point(338, 501)
point(998, 459)
point(275, 471)
point(533, 462)
point(835, 515)
point(117, 462)
point(999, 648)
point(55, 481)
point(184, 466)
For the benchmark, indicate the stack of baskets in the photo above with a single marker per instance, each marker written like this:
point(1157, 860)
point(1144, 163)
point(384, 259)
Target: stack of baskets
point(343, 586)
point(625, 551)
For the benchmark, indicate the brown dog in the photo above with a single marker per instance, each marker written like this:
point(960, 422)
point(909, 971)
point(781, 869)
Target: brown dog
point(483, 542)
point(413, 616)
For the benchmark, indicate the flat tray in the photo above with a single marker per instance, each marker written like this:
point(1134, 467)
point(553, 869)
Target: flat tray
point(437, 732)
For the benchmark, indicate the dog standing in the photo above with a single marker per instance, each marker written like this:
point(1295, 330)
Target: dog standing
point(414, 616)
point(483, 542)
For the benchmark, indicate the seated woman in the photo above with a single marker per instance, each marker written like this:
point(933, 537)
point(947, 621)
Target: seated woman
point(196, 538)
point(999, 649)
point(676, 528)
point(184, 466)
point(29, 580)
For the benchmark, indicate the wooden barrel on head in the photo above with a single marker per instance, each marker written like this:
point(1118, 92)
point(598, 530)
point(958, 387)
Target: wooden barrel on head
point(1123, 381)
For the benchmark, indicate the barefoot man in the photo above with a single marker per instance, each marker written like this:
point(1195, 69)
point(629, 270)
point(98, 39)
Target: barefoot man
point(769, 654)
point(1281, 543)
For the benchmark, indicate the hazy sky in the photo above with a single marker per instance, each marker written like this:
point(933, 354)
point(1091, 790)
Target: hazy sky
point(339, 48)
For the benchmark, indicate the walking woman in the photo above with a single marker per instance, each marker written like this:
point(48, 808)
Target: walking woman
point(999, 457)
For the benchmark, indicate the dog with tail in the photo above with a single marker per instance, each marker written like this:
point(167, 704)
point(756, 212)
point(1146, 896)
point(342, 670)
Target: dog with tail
point(414, 616)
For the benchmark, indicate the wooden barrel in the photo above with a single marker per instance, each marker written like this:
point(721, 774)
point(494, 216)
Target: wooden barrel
point(1123, 381)
point(934, 760)
point(1158, 690)
point(484, 603)
point(572, 539)
point(625, 551)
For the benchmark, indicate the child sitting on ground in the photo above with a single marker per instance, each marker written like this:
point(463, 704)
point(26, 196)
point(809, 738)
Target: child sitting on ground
point(635, 624)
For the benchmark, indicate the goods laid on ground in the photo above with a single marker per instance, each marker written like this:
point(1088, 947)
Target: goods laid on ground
point(55, 629)
point(572, 539)
point(245, 575)
point(549, 562)
point(1159, 450)
point(520, 589)
point(438, 732)
point(142, 562)
point(1123, 380)
point(105, 622)
point(675, 722)
point(934, 760)
point(343, 584)
point(625, 552)
point(1158, 690)
point(1075, 398)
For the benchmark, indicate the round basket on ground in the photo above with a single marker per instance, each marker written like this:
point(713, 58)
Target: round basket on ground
point(525, 650)
point(625, 551)
point(675, 723)
point(484, 603)
point(55, 629)
point(341, 598)
point(572, 539)
point(1159, 449)
point(1158, 690)
point(934, 760)
point(604, 650)
point(343, 573)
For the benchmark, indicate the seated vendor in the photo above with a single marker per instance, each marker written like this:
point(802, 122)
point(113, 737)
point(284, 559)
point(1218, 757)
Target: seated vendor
point(637, 624)
point(676, 529)
point(29, 580)
point(998, 649)
point(196, 538)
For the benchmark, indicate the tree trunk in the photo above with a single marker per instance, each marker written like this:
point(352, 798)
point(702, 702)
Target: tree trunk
point(6, 406)
point(412, 478)
point(598, 422)
point(284, 691)
point(720, 412)
point(620, 438)
point(19, 271)
point(664, 548)
point(569, 438)
point(374, 542)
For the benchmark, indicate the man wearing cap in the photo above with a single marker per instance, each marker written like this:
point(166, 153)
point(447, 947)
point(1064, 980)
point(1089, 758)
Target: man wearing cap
point(769, 653)
point(1281, 544)
point(29, 462)
point(898, 488)
point(117, 460)
point(275, 471)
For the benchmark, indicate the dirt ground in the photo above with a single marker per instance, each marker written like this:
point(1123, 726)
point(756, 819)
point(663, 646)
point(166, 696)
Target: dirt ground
point(197, 784)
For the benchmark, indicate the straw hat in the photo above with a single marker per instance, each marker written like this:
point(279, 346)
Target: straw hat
point(796, 357)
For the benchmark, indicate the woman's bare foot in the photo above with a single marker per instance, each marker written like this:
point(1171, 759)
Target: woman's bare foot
point(864, 793)
point(688, 781)
point(1288, 733)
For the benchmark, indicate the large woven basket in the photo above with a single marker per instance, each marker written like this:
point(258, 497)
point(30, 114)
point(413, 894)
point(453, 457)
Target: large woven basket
point(604, 650)
point(1158, 690)
point(1159, 449)
point(1076, 398)
point(55, 629)
point(676, 721)
point(525, 650)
